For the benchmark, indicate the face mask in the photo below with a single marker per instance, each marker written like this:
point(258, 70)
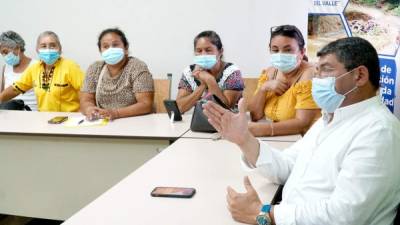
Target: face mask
point(325, 95)
point(49, 56)
point(113, 56)
point(205, 61)
point(11, 59)
point(284, 62)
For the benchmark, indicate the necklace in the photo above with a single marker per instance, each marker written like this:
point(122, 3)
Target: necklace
point(46, 79)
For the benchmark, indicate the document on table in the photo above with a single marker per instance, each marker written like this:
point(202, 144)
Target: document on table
point(81, 121)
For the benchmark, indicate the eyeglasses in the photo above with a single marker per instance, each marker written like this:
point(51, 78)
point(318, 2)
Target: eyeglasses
point(289, 28)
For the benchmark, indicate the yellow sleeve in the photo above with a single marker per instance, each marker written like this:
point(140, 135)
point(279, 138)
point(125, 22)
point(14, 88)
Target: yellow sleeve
point(24, 84)
point(76, 76)
point(261, 80)
point(304, 99)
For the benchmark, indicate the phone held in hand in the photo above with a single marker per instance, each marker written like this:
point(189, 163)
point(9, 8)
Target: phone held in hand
point(173, 110)
point(58, 119)
point(173, 192)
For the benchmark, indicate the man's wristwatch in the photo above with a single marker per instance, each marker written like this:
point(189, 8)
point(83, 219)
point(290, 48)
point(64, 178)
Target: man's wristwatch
point(264, 218)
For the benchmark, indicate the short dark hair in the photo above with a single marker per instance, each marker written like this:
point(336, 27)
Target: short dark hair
point(212, 36)
point(116, 31)
point(11, 39)
point(288, 31)
point(353, 52)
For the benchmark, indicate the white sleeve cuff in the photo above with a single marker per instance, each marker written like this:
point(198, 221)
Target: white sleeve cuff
point(264, 157)
point(285, 214)
point(246, 165)
point(265, 154)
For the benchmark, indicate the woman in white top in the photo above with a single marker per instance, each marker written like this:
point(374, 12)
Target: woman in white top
point(12, 48)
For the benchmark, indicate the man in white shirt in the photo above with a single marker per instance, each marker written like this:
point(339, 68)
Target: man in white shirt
point(345, 170)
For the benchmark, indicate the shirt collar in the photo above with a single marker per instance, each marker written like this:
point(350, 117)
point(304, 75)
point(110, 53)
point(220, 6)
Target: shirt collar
point(353, 109)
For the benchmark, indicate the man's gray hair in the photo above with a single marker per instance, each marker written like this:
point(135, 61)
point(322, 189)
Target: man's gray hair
point(48, 33)
point(11, 39)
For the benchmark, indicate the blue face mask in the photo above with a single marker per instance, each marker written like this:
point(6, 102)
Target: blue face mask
point(11, 59)
point(325, 95)
point(284, 62)
point(205, 61)
point(113, 56)
point(49, 56)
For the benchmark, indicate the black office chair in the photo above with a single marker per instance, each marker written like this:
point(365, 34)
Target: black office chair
point(278, 196)
point(16, 104)
point(397, 218)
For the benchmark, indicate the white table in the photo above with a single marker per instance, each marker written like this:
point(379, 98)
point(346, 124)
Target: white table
point(51, 171)
point(284, 138)
point(201, 135)
point(148, 126)
point(209, 166)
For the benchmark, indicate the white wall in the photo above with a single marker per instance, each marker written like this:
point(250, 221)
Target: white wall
point(160, 32)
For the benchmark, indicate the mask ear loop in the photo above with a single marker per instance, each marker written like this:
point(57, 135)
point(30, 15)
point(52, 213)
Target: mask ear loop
point(345, 73)
point(351, 90)
point(354, 88)
point(19, 51)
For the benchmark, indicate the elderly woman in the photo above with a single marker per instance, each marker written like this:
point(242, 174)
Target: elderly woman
point(119, 85)
point(55, 80)
point(283, 94)
point(209, 75)
point(12, 48)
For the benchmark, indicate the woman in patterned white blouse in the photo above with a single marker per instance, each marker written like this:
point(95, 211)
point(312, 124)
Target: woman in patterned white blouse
point(209, 75)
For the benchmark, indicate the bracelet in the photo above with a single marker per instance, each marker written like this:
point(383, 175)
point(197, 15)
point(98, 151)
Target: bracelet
point(117, 114)
point(272, 128)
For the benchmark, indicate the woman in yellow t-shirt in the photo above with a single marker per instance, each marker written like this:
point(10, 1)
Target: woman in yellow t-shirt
point(56, 81)
point(283, 93)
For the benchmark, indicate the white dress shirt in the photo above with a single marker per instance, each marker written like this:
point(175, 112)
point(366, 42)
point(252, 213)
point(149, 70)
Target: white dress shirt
point(346, 171)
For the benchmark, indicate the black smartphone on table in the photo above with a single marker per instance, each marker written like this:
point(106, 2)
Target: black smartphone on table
point(173, 192)
point(172, 108)
point(57, 119)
